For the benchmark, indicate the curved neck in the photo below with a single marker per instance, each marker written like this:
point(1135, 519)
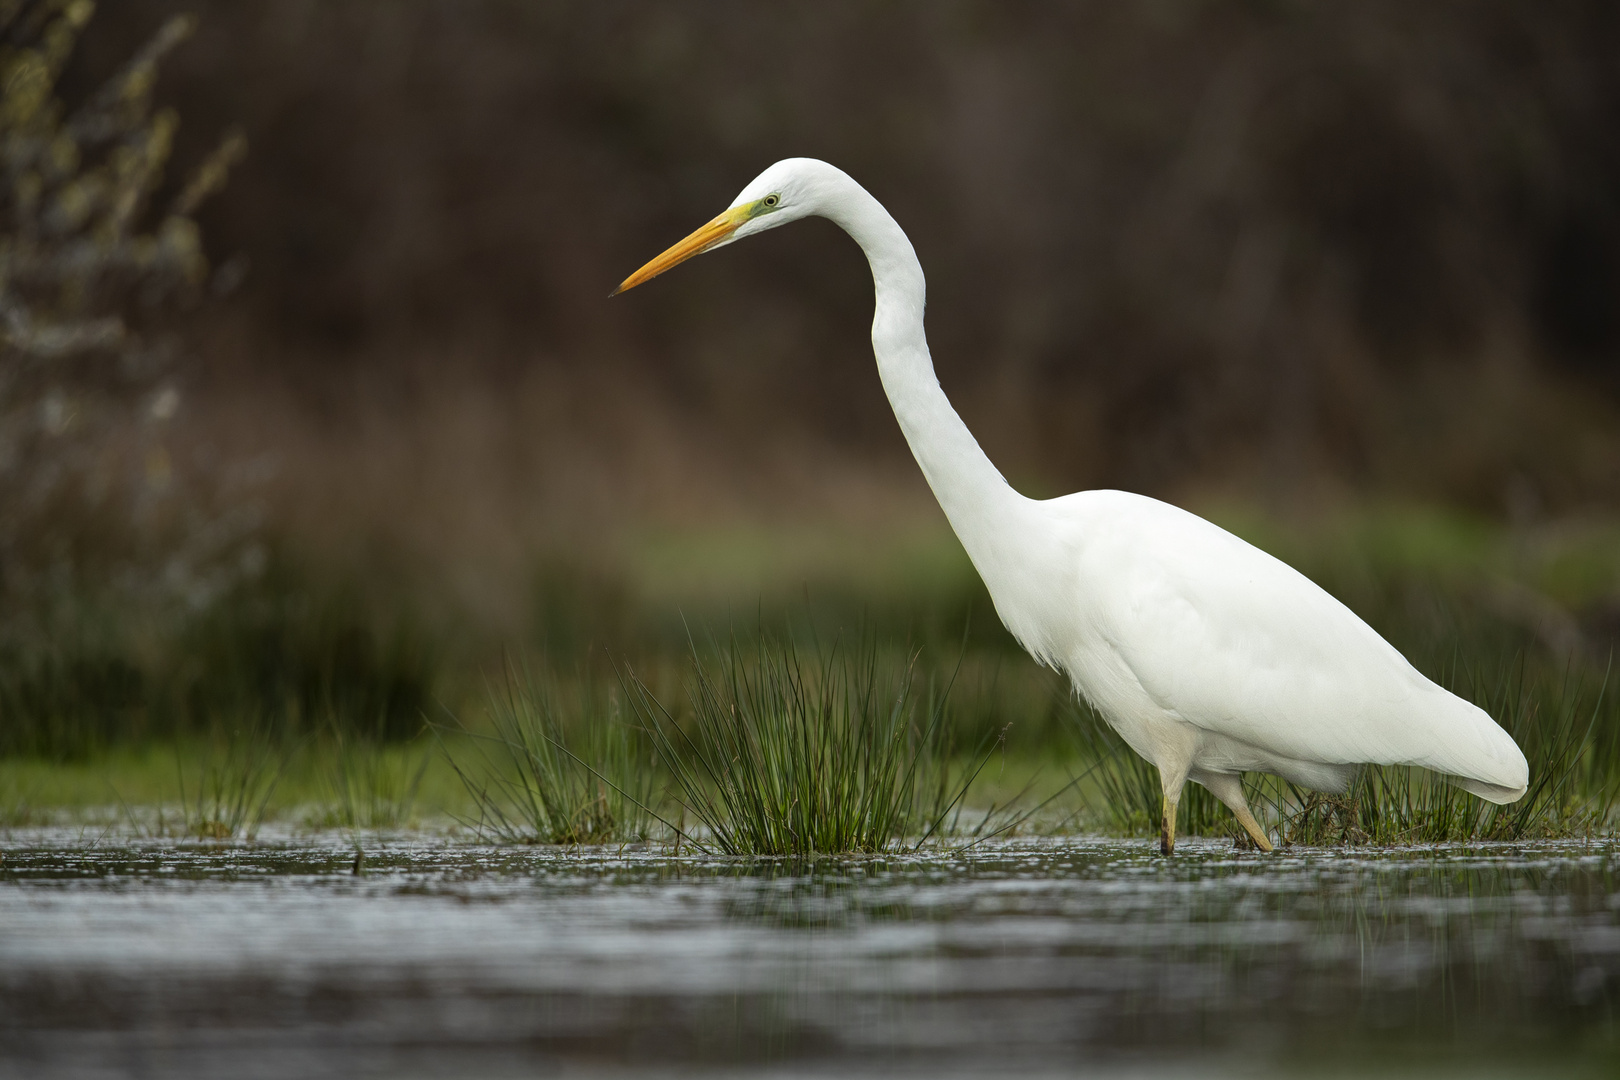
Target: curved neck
point(971, 491)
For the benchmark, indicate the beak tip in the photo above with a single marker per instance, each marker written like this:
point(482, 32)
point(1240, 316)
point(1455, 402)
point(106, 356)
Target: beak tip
point(709, 236)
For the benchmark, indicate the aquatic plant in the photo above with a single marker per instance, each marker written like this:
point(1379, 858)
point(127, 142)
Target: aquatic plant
point(234, 782)
point(541, 778)
point(784, 754)
point(369, 783)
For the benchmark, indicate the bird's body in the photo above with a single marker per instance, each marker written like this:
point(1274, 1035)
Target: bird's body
point(1208, 656)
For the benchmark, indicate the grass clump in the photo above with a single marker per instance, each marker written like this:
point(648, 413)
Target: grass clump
point(233, 785)
point(783, 755)
point(539, 779)
point(368, 783)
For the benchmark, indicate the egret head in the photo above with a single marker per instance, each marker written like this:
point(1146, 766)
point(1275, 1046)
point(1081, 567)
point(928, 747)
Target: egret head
point(782, 193)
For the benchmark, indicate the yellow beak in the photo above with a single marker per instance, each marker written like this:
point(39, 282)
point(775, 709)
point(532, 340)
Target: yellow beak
point(696, 244)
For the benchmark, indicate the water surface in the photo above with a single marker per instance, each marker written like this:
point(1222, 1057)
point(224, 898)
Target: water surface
point(148, 958)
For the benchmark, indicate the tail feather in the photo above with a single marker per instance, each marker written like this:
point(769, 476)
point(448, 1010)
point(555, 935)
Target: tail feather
point(1479, 756)
point(1495, 793)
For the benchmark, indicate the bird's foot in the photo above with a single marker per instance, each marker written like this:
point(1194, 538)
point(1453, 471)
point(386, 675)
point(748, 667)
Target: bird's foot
point(1257, 836)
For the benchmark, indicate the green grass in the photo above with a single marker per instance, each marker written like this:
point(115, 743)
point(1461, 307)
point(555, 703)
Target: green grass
point(227, 793)
point(772, 743)
point(554, 773)
point(368, 783)
point(783, 752)
point(156, 786)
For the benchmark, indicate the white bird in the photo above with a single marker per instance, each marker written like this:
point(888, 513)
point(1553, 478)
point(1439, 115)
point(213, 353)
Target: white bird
point(1210, 657)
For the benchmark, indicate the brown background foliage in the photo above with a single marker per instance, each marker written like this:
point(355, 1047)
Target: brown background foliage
point(1277, 249)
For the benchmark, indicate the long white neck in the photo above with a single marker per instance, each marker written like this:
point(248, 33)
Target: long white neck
point(974, 495)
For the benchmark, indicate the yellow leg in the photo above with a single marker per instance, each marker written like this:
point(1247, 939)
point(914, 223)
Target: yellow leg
point(1173, 761)
point(1229, 789)
point(1252, 827)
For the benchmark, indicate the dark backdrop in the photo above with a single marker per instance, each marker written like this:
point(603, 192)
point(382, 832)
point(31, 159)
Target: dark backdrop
point(1372, 245)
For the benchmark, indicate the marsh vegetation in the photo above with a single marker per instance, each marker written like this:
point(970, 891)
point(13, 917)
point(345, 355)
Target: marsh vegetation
point(824, 726)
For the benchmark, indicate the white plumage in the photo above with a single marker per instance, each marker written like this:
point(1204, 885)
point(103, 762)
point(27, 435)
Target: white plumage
point(1208, 656)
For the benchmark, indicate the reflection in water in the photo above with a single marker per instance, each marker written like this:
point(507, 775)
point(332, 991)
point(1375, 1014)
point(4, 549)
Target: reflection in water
point(441, 959)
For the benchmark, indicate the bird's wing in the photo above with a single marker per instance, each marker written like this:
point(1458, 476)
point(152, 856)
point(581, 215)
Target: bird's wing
point(1232, 640)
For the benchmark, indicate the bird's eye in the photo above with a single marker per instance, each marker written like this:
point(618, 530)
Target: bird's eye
point(770, 201)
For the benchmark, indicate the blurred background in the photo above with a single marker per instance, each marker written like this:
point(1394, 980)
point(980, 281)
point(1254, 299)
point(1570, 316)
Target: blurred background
point(1342, 276)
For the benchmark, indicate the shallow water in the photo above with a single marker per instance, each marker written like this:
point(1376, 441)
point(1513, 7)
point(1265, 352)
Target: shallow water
point(443, 959)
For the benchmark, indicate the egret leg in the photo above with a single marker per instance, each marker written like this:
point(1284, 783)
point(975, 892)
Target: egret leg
point(1174, 763)
point(1229, 789)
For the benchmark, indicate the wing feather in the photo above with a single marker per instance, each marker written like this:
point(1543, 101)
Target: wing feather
point(1237, 642)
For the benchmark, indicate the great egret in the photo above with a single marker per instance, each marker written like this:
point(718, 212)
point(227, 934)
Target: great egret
point(1210, 657)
